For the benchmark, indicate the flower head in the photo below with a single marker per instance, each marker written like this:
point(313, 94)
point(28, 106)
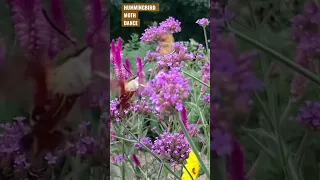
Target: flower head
point(173, 148)
point(167, 91)
point(146, 141)
point(203, 22)
point(154, 33)
point(192, 167)
point(309, 115)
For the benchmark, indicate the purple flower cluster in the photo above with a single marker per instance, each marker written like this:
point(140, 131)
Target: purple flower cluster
point(12, 133)
point(222, 143)
point(118, 158)
point(114, 112)
point(142, 106)
point(51, 158)
point(152, 56)
point(203, 22)
point(206, 98)
point(306, 32)
point(83, 143)
point(193, 129)
point(168, 91)
point(175, 59)
point(234, 83)
point(146, 141)
point(205, 71)
point(173, 148)
point(309, 115)
point(154, 33)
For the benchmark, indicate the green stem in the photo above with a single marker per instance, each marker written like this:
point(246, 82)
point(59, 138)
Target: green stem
point(188, 172)
point(195, 78)
point(194, 148)
point(206, 39)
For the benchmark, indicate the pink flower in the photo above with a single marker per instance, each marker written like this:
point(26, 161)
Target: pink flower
point(30, 26)
point(203, 22)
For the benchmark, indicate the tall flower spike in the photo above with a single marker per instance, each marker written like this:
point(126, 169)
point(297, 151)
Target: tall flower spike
point(128, 65)
point(136, 160)
point(140, 72)
point(184, 116)
point(95, 12)
point(116, 59)
point(58, 18)
point(30, 26)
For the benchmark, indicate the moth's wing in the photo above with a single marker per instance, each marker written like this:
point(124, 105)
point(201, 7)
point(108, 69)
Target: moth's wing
point(66, 53)
point(132, 85)
point(74, 75)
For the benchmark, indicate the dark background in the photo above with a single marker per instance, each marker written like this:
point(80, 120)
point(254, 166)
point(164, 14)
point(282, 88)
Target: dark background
point(186, 11)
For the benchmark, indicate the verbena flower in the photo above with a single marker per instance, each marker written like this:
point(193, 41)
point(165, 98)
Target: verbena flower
point(168, 91)
point(142, 106)
point(309, 115)
point(118, 158)
point(175, 59)
point(154, 33)
point(193, 129)
point(145, 141)
point(203, 22)
point(171, 25)
point(306, 32)
point(152, 56)
point(173, 148)
point(205, 71)
point(192, 168)
point(114, 112)
point(222, 142)
point(83, 143)
point(51, 158)
point(206, 98)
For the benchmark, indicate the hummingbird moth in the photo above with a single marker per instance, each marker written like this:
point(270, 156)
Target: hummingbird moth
point(59, 83)
point(165, 44)
point(130, 86)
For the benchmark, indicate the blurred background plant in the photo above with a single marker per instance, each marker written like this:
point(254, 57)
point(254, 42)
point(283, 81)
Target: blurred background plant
point(279, 137)
point(26, 32)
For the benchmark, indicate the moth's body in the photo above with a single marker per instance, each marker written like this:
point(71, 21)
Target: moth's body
point(165, 44)
point(65, 80)
point(132, 85)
